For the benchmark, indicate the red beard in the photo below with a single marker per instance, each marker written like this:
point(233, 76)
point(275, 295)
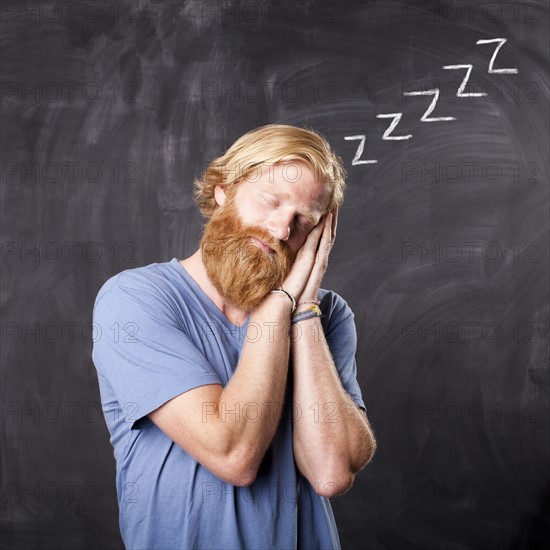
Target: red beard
point(240, 270)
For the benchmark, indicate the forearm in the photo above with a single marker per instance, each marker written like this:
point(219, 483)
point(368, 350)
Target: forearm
point(332, 437)
point(249, 408)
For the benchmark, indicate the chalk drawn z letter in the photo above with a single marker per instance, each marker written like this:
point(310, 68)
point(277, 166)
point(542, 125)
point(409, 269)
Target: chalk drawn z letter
point(425, 117)
point(396, 118)
point(462, 87)
point(501, 42)
point(357, 158)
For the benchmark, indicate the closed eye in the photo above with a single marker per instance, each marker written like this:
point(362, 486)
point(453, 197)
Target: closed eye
point(271, 202)
point(304, 222)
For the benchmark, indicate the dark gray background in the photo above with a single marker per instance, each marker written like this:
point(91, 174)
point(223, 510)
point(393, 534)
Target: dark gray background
point(109, 110)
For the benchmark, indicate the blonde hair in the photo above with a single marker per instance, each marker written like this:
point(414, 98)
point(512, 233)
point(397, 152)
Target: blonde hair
point(269, 145)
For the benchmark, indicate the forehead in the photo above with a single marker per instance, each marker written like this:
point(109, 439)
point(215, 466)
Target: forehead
point(293, 181)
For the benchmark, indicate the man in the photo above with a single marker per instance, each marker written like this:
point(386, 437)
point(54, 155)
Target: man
point(228, 379)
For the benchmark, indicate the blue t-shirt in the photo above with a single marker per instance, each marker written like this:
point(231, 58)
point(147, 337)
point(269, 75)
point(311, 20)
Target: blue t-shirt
point(160, 335)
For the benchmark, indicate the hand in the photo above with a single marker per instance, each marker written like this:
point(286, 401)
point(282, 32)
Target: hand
point(320, 267)
point(310, 265)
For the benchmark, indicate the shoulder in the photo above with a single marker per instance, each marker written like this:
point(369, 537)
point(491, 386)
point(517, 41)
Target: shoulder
point(337, 313)
point(152, 284)
point(333, 305)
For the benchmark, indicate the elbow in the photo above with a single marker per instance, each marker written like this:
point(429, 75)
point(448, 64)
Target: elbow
point(366, 452)
point(242, 477)
point(370, 449)
point(339, 478)
point(334, 485)
point(240, 470)
point(333, 478)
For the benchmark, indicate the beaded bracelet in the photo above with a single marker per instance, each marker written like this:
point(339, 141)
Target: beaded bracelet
point(308, 313)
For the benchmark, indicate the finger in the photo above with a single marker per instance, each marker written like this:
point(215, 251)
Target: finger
point(327, 234)
point(308, 250)
point(334, 223)
point(325, 243)
point(315, 234)
point(322, 221)
point(320, 262)
point(311, 244)
point(328, 226)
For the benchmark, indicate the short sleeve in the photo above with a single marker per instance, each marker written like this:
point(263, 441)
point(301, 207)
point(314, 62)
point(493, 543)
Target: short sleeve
point(341, 336)
point(142, 351)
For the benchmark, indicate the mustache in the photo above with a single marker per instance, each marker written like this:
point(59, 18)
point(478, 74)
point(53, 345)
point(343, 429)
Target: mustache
point(241, 242)
point(275, 245)
point(242, 233)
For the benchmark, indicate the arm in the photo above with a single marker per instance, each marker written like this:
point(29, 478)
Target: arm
point(332, 439)
point(211, 423)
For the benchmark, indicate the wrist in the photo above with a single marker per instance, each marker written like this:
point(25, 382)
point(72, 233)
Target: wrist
point(304, 303)
point(313, 311)
point(287, 296)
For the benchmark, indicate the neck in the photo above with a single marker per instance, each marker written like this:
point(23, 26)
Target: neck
point(196, 269)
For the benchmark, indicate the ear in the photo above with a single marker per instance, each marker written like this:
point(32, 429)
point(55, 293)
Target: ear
point(220, 194)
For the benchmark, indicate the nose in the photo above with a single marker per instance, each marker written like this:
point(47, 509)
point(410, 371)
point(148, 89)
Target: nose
point(279, 226)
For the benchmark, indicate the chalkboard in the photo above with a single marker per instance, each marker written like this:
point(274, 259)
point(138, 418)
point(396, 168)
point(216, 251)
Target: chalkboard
point(440, 113)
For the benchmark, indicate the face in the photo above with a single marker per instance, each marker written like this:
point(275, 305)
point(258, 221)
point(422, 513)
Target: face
point(283, 200)
point(278, 207)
